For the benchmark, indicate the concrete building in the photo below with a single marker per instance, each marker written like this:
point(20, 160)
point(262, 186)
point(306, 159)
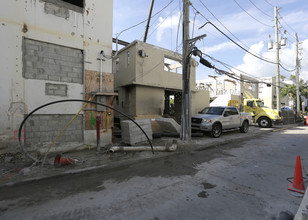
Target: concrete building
point(220, 85)
point(148, 80)
point(50, 51)
point(267, 92)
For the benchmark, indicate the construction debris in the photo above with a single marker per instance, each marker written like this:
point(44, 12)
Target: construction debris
point(169, 125)
point(131, 134)
point(172, 148)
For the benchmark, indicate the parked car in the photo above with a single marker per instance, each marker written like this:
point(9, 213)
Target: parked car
point(216, 119)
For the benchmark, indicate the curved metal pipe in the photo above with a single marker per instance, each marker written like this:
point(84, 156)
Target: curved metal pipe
point(72, 100)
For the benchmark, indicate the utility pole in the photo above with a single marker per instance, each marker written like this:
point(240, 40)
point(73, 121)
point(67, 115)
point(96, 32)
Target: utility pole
point(277, 59)
point(148, 22)
point(297, 79)
point(186, 95)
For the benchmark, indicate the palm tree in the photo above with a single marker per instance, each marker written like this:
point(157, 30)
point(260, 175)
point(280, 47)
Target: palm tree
point(290, 90)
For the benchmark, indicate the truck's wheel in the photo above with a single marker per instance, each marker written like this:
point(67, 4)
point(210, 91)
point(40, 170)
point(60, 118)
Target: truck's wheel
point(264, 122)
point(216, 131)
point(245, 127)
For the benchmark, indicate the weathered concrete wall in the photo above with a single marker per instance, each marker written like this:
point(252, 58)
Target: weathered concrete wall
point(199, 101)
point(150, 70)
point(64, 28)
point(150, 100)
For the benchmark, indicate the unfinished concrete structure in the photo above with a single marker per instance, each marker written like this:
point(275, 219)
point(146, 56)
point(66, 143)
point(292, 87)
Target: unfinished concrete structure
point(51, 50)
point(267, 92)
point(148, 80)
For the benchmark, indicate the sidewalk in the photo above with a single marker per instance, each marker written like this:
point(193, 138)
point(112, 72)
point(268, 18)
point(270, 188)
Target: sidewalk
point(18, 169)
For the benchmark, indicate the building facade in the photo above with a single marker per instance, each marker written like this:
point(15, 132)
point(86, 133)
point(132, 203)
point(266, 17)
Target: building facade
point(52, 50)
point(148, 80)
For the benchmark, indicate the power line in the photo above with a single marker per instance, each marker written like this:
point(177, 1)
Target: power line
point(231, 67)
point(286, 23)
point(192, 35)
point(261, 58)
point(260, 10)
point(220, 23)
point(135, 25)
point(231, 75)
point(269, 3)
point(162, 21)
point(177, 33)
point(251, 15)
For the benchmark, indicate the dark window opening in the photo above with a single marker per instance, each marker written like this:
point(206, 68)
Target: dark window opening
point(79, 3)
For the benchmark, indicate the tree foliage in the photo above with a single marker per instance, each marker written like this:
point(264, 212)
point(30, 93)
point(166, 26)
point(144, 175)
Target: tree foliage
point(290, 90)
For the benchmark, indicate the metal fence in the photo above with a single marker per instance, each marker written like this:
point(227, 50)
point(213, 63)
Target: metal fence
point(288, 117)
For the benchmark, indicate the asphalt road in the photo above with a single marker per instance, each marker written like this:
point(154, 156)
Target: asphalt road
point(243, 180)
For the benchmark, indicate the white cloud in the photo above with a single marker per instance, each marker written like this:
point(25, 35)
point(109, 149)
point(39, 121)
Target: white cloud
point(259, 68)
point(169, 24)
point(218, 47)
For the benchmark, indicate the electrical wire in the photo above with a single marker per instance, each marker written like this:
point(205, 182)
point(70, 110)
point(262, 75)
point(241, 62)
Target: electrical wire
point(261, 58)
point(260, 10)
point(162, 22)
point(269, 3)
point(235, 37)
point(286, 23)
point(135, 25)
point(178, 30)
point(219, 22)
point(232, 75)
point(229, 66)
point(192, 35)
point(251, 15)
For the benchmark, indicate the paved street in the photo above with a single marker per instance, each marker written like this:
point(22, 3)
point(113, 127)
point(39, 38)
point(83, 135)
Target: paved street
point(241, 180)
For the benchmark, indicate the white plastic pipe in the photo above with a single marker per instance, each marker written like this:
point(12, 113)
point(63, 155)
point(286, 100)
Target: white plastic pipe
point(101, 73)
point(172, 148)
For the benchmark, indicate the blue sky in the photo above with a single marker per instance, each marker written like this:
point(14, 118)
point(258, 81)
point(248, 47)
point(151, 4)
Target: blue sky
point(250, 28)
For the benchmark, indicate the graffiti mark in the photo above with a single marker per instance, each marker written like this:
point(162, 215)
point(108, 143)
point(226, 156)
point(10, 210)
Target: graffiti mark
point(16, 134)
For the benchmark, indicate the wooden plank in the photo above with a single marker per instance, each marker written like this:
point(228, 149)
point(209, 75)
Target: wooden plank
point(92, 82)
point(92, 86)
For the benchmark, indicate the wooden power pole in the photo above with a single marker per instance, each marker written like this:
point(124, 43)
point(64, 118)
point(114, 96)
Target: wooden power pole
point(186, 94)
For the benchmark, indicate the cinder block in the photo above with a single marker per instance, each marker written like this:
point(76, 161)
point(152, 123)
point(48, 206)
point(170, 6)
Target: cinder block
point(54, 78)
point(132, 134)
point(77, 80)
point(42, 76)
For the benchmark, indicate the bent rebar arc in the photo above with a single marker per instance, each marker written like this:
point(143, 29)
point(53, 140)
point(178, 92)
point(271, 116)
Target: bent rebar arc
point(72, 100)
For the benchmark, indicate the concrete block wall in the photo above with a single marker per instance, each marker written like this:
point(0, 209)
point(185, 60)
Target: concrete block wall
point(52, 62)
point(56, 89)
point(132, 134)
point(44, 128)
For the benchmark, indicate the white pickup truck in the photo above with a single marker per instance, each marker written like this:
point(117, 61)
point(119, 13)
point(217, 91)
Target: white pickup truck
point(219, 118)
